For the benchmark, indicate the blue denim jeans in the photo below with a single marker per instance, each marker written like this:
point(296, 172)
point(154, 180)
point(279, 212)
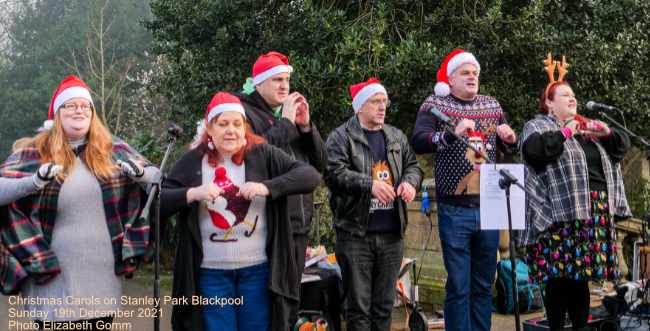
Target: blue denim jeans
point(470, 259)
point(369, 267)
point(249, 284)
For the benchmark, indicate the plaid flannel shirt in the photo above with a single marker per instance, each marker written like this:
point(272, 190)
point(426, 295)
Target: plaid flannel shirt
point(26, 225)
point(563, 186)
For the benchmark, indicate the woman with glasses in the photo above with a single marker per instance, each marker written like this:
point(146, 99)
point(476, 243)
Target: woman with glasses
point(235, 237)
point(64, 247)
point(574, 174)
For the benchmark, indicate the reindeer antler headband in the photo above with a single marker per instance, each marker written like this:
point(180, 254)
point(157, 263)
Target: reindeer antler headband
point(550, 65)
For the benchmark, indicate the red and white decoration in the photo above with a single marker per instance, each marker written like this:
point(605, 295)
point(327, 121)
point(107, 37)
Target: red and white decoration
point(235, 204)
point(69, 88)
point(451, 62)
point(362, 91)
point(269, 64)
point(222, 102)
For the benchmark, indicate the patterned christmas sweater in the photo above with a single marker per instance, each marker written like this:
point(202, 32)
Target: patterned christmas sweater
point(233, 229)
point(454, 164)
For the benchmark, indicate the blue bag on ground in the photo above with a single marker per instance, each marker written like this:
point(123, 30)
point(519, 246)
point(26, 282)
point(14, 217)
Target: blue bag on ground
point(529, 294)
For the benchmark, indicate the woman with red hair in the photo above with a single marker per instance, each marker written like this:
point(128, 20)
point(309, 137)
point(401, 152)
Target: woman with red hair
point(234, 233)
point(573, 168)
point(72, 240)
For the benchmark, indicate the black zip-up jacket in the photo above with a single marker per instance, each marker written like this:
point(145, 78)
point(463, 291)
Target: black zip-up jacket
point(306, 147)
point(349, 176)
point(264, 164)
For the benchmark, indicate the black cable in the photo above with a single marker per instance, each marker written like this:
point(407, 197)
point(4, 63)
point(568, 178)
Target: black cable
point(424, 249)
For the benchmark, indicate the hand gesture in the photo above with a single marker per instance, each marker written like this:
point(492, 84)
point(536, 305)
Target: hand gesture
point(206, 192)
point(406, 191)
point(131, 169)
point(573, 125)
point(290, 106)
point(302, 114)
point(46, 173)
point(251, 189)
point(464, 127)
point(506, 134)
point(382, 191)
point(598, 129)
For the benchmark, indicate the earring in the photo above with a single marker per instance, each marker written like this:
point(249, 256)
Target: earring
point(210, 144)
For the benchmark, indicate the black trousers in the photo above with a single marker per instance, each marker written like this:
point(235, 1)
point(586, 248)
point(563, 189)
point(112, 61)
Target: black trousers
point(283, 309)
point(564, 296)
point(86, 325)
point(369, 266)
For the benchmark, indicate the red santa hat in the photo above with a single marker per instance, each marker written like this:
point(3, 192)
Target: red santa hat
point(477, 136)
point(451, 62)
point(270, 64)
point(69, 88)
point(362, 91)
point(221, 102)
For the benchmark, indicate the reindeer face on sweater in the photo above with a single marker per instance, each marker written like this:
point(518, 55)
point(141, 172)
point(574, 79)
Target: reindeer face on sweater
point(478, 154)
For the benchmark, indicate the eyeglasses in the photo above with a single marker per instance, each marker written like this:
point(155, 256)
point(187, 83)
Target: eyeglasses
point(377, 102)
point(72, 107)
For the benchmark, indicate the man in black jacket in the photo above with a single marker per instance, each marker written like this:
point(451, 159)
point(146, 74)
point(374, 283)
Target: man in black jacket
point(283, 119)
point(372, 174)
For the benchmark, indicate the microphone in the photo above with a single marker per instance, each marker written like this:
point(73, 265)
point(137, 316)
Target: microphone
point(440, 115)
point(591, 105)
point(508, 175)
point(174, 130)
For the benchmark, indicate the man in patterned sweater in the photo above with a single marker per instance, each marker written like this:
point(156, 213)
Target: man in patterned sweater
point(469, 253)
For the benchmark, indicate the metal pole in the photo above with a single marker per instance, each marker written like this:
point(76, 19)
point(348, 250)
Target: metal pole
point(513, 272)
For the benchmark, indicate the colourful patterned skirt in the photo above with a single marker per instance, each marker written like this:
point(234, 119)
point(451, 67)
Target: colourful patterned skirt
point(582, 249)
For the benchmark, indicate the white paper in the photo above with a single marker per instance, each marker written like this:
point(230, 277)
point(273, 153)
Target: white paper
point(313, 260)
point(307, 278)
point(494, 212)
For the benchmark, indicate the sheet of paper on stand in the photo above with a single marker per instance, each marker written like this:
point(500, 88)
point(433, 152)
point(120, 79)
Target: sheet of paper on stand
point(494, 215)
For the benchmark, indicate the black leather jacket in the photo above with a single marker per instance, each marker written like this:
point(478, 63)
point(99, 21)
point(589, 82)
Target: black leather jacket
point(348, 174)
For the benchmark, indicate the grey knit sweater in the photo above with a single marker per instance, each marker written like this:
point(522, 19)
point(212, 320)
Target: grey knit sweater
point(82, 244)
point(12, 189)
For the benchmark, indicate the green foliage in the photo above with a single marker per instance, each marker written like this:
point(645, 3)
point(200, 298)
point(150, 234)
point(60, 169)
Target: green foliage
point(638, 196)
point(210, 45)
point(637, 188)
point(49, 40)
point(322, 219)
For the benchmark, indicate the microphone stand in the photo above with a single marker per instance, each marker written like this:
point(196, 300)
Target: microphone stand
point(628, 132)
point(646, 145)
point(151, 211)
point(507, 179)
